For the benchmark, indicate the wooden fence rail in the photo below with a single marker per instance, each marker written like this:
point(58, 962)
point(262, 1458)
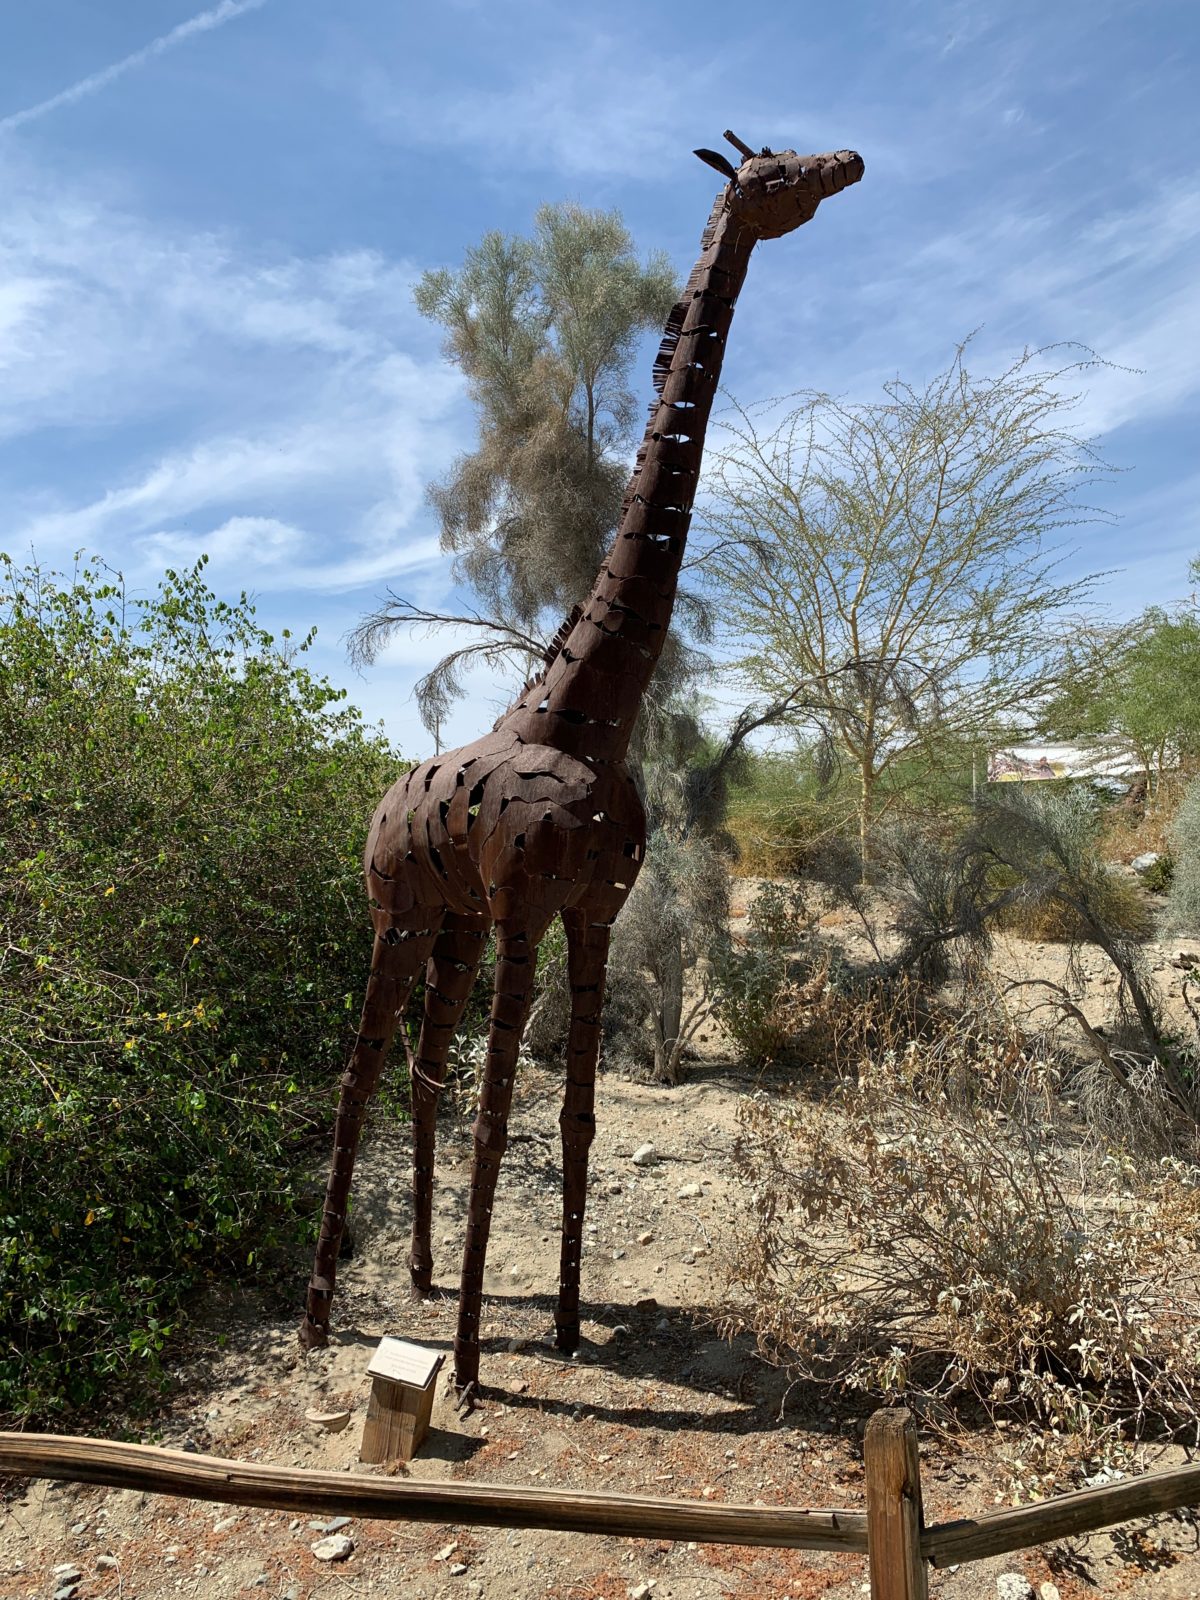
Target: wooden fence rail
point(1082, 1512)
point(898, 1545)
point(247, 1483)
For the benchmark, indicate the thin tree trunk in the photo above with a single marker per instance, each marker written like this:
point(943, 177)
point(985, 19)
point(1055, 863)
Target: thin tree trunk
point(671, 1010)
point(866, 816)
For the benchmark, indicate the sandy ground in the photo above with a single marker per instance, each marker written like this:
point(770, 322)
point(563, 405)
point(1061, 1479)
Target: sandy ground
point(655, 1402)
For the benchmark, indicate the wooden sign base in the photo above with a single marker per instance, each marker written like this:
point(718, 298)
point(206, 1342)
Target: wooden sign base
point(403, 1378)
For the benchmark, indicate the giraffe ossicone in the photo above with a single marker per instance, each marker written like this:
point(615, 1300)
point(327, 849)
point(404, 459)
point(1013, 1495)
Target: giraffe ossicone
point(541, 818)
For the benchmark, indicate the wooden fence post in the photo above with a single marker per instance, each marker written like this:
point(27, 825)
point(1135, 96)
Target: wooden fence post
point(894, 1518)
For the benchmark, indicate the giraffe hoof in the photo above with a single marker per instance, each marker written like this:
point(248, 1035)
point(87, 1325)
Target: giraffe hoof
point(312, 1335)
point(566, 1337)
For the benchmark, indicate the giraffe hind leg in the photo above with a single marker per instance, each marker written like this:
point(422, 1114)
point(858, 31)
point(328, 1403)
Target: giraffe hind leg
point(448, 983)
point(516, 954)
point(395, 964)
point(587, 959)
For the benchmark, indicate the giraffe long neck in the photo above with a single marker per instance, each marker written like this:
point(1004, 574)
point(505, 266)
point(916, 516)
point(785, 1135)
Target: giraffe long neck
point(587, 701)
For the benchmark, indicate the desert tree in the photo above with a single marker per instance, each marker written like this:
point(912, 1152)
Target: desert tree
point(544, 329)
point(891, 566)
point(1135, 688)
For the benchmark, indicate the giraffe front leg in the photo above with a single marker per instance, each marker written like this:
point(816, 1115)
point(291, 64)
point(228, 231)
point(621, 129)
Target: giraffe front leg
point(394, 967)
point(448, 981)
point(516, 954)
point(587, 960)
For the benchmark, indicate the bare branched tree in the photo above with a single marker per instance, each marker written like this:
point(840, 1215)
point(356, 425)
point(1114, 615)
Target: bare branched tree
point(890, 560)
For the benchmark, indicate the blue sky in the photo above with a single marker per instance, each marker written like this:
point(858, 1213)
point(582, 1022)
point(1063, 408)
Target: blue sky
point(213, 218)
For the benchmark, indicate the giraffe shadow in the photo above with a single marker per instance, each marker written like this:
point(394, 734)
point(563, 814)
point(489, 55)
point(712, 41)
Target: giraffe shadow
point(629, 1349)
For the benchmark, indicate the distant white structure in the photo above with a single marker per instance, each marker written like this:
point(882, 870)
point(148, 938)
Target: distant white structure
point(1030, 763)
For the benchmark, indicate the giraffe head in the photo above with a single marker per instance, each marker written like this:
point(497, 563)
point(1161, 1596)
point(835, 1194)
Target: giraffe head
point(775, 191)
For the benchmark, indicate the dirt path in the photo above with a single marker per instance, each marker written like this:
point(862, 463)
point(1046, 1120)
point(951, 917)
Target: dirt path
point(655, 1402)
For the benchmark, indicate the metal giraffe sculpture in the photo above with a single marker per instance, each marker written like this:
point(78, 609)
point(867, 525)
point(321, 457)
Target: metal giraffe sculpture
point(541, 818)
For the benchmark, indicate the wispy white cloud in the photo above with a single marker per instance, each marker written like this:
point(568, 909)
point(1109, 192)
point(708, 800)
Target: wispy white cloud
point(266, 553)
point(241, 501)
point(557, 119)
point(203, 22)
point(98, 308)
point(288, 410)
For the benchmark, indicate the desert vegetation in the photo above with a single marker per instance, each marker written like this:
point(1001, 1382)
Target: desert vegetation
point(182, 807)
point(971, 1176)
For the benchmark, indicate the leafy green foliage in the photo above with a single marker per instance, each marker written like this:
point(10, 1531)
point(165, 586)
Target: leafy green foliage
point(544, 329)
point(761, 994)
point(1184, 903)
point(782, 818)
point(182, 812)
point(887, 567)
point(1138, 689)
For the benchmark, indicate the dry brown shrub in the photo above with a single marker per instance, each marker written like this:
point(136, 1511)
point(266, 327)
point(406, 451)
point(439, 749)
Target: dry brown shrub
point(1054, 922)
point(910, 1238)
point(1129, 830)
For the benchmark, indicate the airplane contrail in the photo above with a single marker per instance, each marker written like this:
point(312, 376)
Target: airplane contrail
point(203, 22)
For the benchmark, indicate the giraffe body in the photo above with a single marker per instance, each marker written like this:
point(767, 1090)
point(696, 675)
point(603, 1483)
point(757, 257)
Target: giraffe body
point(499, 825)
point(541, 818)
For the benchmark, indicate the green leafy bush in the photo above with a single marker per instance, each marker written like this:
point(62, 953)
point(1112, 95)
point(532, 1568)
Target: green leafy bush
point(182, 811)
point(1183, 907)
point(765, 993)
point(1159, 875)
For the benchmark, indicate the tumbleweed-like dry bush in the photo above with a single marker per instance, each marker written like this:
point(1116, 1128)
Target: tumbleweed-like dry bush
point(909, 1239)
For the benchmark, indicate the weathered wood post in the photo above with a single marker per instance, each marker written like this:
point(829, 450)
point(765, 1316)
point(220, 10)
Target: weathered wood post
point(401, 1401)
point(894, 1517)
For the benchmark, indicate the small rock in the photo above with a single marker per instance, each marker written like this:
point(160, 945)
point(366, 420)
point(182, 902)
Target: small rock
point(260, 1582)
point(645, 1238)
point(66, 1572)
point(106, 1563)
point(1048, 1590)
point(225, 1524)
point(645, 1156)
point(639, 1591)
point(331, 1421)
point(1013, 1586)
point(689, 1191)
point(614, 1188)
point(446, 1551)
point(66, 1591)
point(334, 1525)
point(1144, 862)
point(646, 1303)
point(458, 1570)
point(336, 1548)
point(78, 1528)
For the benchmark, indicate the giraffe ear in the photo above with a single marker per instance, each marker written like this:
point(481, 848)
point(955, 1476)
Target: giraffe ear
point(714, 158)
